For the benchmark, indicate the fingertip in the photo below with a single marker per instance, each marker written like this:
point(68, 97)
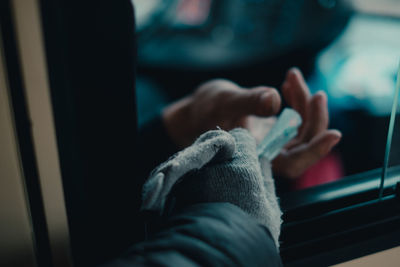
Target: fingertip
point(336, 133)
point(260, 101)
point(323, 143)
point(336, 137)
point(291, 74)
point(270, 102)
point(320, 96)
point(294, 70)
point(335, 141)
point(333, 138)
point(294, 73)
point(290, 77)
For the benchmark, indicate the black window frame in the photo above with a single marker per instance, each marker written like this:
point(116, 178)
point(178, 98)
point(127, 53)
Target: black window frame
point(342, 220)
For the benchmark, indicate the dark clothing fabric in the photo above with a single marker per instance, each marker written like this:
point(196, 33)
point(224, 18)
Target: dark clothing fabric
point(212, 234)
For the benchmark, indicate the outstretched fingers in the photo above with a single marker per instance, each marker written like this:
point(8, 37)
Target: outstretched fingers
point(293, 162)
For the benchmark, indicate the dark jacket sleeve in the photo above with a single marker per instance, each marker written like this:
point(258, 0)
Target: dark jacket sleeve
point(209, 234)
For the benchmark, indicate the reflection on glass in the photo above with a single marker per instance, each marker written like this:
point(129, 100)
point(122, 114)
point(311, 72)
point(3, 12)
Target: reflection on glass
point(393, 156)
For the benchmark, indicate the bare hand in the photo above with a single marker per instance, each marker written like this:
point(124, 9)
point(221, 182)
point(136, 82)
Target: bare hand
point(217, 103)
point(225, 104)
point(314, 140)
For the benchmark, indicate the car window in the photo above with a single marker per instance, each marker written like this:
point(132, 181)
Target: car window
point(348, 49)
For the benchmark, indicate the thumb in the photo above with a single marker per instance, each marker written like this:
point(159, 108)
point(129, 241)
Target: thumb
point(259, 101)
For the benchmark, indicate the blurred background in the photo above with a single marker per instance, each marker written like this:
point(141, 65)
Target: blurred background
point(348, 48)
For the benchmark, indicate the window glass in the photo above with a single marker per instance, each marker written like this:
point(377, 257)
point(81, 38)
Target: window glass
point(347, 48)
point(393, 153)
point(358, 72)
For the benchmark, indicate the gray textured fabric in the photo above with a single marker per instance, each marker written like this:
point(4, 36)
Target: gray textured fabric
point(214, 145)
point(236, 178)
point(240, 181)
point(274, 215)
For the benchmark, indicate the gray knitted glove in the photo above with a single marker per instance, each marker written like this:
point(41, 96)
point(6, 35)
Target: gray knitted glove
point(239, 181)
point(214, 145)
point(211, 170)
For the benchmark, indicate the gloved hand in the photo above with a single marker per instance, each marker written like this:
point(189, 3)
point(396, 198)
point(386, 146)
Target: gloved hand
point(235, 178)
point(216, 145)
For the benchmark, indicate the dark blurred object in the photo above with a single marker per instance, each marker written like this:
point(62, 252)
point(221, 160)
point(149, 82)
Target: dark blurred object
point(249, 41)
